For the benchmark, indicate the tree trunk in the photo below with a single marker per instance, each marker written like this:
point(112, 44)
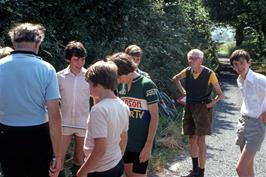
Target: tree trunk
point(239, 36)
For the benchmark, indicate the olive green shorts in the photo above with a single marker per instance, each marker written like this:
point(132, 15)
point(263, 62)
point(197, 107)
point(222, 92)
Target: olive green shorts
point(197, 119)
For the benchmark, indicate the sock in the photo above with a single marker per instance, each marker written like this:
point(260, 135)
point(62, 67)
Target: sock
point(195, 164)
point(201, 172)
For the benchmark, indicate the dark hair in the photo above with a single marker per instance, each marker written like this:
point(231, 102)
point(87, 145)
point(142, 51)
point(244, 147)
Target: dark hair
point(103, 73)
point(240, 53)
point(124, 62)
point(75, 48)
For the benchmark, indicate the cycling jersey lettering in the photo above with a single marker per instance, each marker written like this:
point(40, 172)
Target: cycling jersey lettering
point(133, 103)
point(136, 114)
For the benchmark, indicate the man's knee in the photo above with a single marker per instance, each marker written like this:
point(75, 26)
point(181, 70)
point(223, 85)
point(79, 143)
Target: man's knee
point(192, 139)
point(201, 141)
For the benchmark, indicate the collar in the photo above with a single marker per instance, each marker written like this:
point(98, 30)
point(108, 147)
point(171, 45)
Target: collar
point(67, 71)
point(249, 77)
point(24, 52)
point(137, 78)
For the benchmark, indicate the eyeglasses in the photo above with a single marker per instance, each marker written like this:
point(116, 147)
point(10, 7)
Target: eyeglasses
point(136, 54)
point(193, 58)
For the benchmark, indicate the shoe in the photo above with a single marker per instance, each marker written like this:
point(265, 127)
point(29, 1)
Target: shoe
point(191, 174)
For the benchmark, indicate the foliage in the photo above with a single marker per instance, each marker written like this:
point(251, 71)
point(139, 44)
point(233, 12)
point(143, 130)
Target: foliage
point(168, 143)
point(247, 17)
point(165, 29)
point(225, 49)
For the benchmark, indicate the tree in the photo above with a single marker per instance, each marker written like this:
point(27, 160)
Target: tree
point(165, 29)
point(245, 16)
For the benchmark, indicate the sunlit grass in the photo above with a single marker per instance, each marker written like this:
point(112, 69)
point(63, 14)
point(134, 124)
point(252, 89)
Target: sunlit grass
point(225, 49)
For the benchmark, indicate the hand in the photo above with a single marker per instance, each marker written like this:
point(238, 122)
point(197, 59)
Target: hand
point(209, 105)
point(55, 167)
point(145, 153)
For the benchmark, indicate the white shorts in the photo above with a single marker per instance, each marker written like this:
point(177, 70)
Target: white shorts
point(74, 131)
point(250, 133)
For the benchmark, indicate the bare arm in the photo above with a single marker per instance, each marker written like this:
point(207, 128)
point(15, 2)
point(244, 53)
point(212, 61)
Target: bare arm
point(55, 134)
point(263, 116)
point(146, 151)
point(219, 95)
point(96, 154)
point(123, 142)
point(178, 84)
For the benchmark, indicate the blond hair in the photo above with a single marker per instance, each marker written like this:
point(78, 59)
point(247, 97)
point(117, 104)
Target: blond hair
point(5, 51)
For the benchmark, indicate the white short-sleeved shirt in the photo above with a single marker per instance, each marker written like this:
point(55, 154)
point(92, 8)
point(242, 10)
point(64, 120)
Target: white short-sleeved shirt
point(253, 90)
point(107, 119)
point(75, 98)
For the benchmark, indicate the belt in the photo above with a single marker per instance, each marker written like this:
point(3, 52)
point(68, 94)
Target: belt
point(248, 117)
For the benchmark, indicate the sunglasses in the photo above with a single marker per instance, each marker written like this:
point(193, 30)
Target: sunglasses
point(193, 58)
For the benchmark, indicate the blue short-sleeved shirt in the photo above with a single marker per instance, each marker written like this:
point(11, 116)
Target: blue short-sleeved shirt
point(26, 84)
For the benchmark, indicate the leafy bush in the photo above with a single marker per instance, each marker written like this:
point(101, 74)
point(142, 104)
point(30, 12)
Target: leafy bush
point(166, 30)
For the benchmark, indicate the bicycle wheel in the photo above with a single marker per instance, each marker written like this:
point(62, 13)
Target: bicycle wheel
point(170, 104)
point(165, 108)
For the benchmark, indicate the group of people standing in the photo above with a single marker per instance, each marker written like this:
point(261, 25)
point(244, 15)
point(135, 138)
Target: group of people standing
point(42, 111)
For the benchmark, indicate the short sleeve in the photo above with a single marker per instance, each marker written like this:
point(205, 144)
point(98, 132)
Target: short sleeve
point(52, 88)
point(126, 124)
point(98, 124)
point(213, 79)
point(182, 73)
point(151, 92)
point(261, 91)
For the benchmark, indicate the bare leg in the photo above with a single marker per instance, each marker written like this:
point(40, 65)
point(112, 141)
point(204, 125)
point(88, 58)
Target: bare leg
point(128, 169)
point(193, 146)
point(66, 141)
point(78, 157)
point(202, 151)
point(244, 166)
point(139, 175)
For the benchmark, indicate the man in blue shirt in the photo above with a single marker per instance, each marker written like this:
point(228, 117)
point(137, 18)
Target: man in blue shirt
point(29, 136)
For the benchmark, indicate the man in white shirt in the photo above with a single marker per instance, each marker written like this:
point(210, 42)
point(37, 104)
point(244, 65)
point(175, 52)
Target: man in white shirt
point(251, 129)
point(75, 95)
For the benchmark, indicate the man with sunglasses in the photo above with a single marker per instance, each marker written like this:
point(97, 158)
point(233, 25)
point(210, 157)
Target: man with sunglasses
point(197, 118)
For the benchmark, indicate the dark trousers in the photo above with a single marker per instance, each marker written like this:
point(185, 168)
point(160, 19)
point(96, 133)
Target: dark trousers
point(25, 151)
point(117, 171)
